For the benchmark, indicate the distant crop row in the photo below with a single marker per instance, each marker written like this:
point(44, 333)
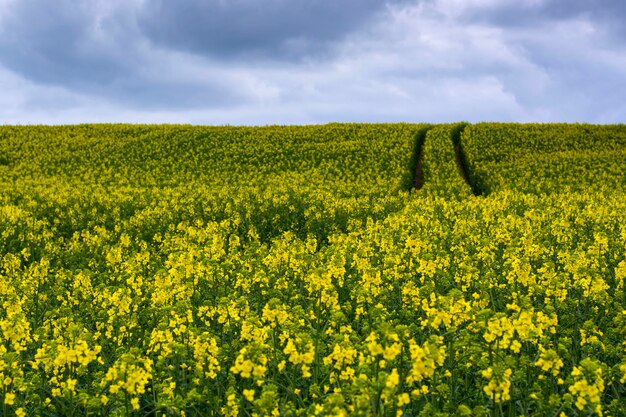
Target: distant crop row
point(177, 270)
point(544, 158)
point(346, 159)
point(313, 179)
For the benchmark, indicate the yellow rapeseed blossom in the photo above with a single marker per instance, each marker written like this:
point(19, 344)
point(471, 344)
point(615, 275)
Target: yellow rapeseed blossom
point(588, 385)
point(499, 384)
point(549, 361)
point(425, 359)
point(248, 394)
point(9, 398)
point(342, 269)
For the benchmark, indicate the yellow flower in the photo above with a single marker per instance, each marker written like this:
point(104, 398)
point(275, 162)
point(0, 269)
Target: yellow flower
point(498, 386)
point(71, 384)
point(393, 379)
point(403, 399)
point(374, 347)
point(588, 385)
point(425, 358)
point(249, 394)
point(549, 361)
point(9, 398)
point(392, 351)
point(135, 403)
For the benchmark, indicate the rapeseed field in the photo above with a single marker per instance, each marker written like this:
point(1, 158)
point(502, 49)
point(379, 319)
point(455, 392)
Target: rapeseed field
point(307, 271)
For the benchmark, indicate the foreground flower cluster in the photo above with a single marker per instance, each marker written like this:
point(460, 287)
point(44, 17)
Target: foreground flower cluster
point(301, 279)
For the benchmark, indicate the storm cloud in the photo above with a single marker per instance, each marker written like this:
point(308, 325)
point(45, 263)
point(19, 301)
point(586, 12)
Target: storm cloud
point(252, 29)
point(311, 61)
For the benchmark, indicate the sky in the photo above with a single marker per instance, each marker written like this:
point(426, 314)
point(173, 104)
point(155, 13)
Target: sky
point(260, 62)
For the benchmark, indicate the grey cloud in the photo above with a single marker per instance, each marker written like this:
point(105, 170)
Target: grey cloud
point(566, 52)
point(74, 45)
point(596, 9)
point(62, 41)
point(577, 45)
point(311, 61)
point(611, 13)
point(253, 29)
point(583, 79)
point(126, 51)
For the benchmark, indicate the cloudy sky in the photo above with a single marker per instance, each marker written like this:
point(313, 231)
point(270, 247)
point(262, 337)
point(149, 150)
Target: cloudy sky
point(312, 61)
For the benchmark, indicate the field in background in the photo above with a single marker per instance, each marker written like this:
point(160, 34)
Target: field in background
point(344, 269)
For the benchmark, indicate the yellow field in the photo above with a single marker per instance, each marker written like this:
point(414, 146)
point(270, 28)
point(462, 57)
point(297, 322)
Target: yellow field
point(177, 270)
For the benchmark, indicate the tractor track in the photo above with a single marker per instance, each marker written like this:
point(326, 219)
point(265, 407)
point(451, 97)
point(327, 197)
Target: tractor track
point(417, 168)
